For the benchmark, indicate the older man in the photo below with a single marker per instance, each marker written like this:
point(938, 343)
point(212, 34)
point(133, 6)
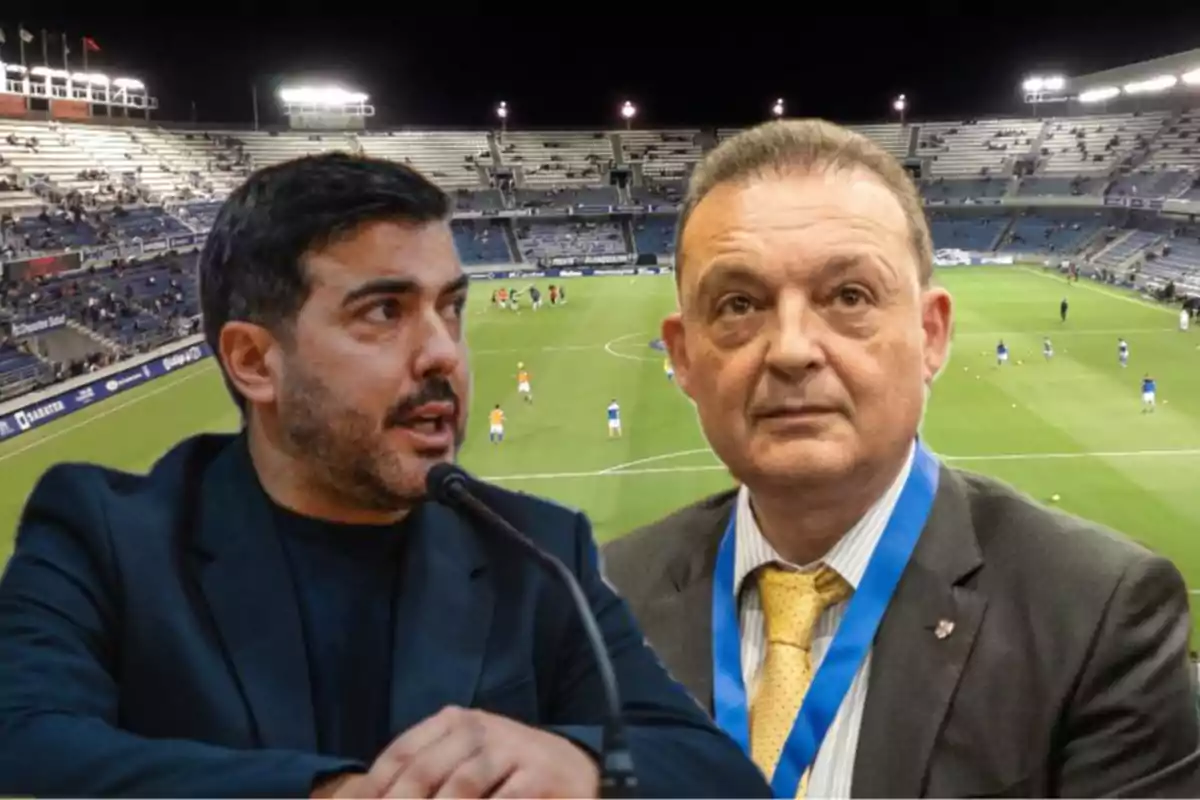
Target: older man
point(864, 620)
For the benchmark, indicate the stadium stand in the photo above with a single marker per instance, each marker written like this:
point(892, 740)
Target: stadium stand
point(966, 233)
point(566, 196)
point(944, 190)
point(545, 240)
point(139, 195)
point(659, 193)
point(1178, 145)
point(557, 159)
point(453, 158)
point(1077, 186)
point(1062, 233)
point(654, 234)
point(481, 241)
point(1096, 144)
point(20, 371)
point(664, 155)
point(983, 147)
point(1127, 246)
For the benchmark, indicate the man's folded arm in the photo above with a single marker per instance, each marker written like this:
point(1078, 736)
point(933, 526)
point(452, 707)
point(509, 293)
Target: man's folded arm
point(677, 749)
point(1131, 727)
point(58, 697)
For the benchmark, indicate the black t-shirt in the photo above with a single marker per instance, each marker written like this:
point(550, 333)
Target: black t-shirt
point(346, 583)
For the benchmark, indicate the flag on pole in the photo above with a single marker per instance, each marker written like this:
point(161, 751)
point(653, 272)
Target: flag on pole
point(2, 39)
point(25, 37)
point(89, 46)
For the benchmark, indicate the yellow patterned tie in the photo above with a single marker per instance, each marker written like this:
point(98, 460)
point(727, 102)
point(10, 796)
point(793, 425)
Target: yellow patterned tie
point(792, 603)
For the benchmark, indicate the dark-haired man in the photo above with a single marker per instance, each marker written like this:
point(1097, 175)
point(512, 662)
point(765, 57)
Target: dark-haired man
point(279, 612)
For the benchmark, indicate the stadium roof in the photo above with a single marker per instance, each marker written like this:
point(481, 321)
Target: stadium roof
point(1176, 65)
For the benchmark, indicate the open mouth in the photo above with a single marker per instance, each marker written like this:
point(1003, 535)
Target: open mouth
point(430, 425)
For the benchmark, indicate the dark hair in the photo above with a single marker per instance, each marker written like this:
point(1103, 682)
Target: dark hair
point(251, 268)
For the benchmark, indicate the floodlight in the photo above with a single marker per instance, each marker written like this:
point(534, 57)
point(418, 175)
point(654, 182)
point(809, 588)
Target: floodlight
point(628, 110)
point(1192, 78)
point(1044, 83)
point(1099, 95)
point(777, 109)
point(131, 84)
point(502, 110)
point(900, 103)
point(1157, 84)
point(321, 96)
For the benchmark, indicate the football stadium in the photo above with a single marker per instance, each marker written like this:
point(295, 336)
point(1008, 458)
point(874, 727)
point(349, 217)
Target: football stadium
point(327, 607)
point(104, 211)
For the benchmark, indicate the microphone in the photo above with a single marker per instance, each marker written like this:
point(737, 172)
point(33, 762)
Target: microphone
point(449, 485)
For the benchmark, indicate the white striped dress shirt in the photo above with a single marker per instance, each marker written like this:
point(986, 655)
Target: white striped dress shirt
point(833, 769)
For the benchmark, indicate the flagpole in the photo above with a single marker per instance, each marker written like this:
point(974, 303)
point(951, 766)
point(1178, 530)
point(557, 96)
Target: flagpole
point(21, 39)
point(66, 53)
point(83, 42)
point(46, 53)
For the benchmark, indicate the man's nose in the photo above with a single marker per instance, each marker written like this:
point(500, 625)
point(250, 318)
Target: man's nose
point(795, 346)
point(437, 347)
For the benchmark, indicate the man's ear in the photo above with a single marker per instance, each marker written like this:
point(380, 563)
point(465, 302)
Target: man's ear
point(252, 360)
point(937, 320)
point(676, 344)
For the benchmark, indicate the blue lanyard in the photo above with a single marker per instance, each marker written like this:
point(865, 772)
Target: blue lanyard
point(850, 644)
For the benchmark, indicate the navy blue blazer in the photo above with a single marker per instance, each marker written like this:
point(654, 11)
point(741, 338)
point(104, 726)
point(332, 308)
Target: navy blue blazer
point(139, 659)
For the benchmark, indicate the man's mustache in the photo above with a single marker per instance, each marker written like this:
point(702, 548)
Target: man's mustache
point(432, 390)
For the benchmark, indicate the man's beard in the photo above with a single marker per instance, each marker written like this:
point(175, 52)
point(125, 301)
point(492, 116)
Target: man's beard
point(344, 449)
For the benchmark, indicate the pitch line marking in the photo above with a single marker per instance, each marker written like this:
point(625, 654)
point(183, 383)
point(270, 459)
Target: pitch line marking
point(203, 369)
point(608, 348)
point(1113, 295)
point(652, 459)
point(623, 469)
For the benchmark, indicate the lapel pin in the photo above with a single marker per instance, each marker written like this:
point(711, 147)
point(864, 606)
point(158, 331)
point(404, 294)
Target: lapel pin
point(944, 628)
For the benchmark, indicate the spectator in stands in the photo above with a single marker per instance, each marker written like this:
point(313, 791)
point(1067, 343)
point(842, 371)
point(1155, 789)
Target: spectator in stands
point(224, 626)
point(1011, 651)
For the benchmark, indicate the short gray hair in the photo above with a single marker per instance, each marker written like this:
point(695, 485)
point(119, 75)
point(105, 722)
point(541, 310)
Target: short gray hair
point(806, 145)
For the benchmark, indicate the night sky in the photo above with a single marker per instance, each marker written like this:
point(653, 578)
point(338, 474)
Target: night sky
point(559, 69)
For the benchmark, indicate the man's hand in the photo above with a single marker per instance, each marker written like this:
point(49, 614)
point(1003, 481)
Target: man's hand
point(463, 753)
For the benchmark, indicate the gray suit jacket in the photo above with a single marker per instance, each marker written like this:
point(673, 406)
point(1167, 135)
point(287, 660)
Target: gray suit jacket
point(1066, 673)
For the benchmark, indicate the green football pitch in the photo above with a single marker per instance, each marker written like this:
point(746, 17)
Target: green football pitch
point(1071, 427)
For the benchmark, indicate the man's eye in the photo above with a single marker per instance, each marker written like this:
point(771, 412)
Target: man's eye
point(736, 305)
point(382, 311)
point(852, 296)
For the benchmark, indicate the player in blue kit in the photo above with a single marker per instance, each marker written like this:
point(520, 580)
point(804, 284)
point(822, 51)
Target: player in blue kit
point(1001, 354)
point(1123, 352)
point(614, 420)
point(1047, 348)
point(1149, 390)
